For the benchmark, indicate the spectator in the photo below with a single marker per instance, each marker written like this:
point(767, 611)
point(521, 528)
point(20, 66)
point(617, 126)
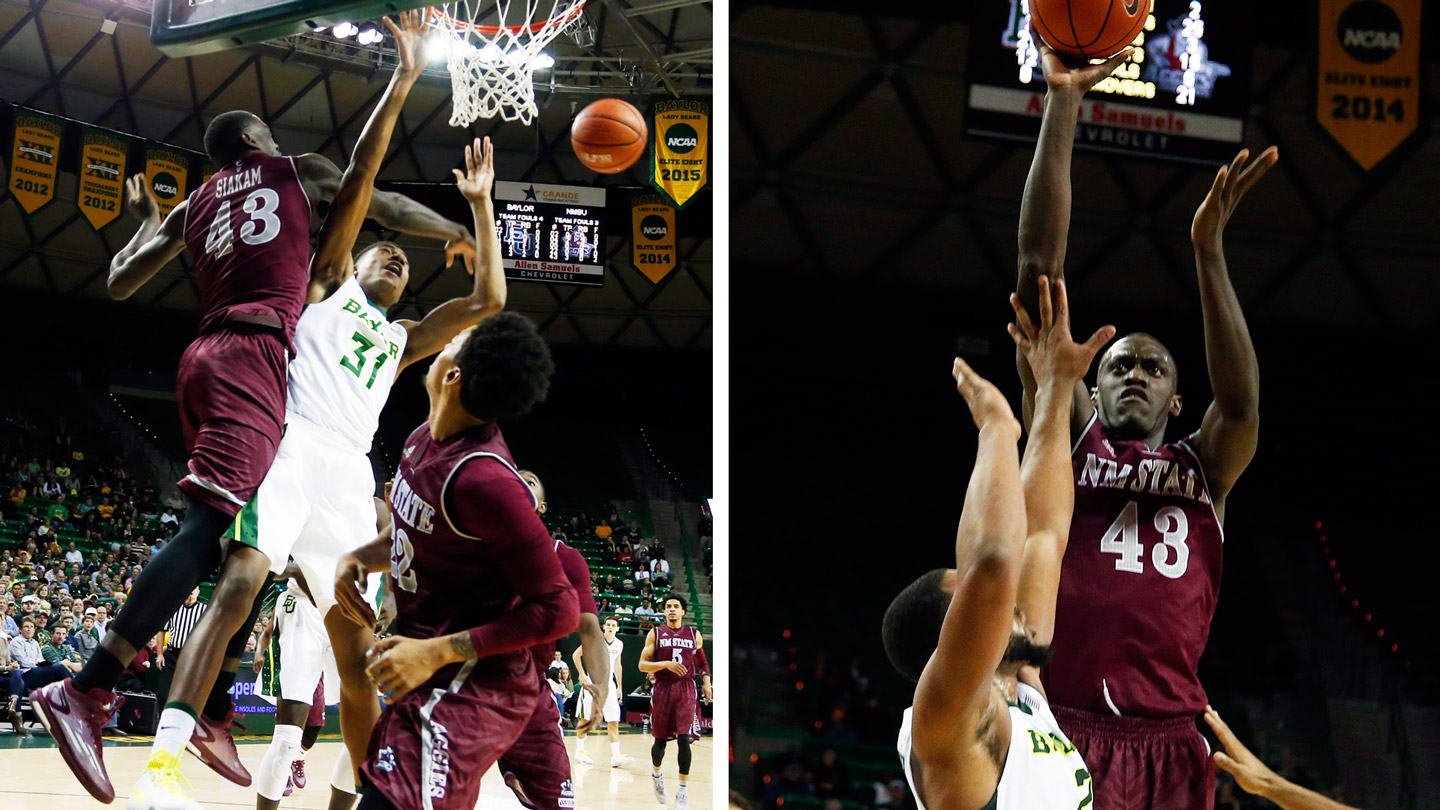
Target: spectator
point(605, 607)
point(139, 549)
point(628, 586)
point(106, 509)
point(832, 778)
point(74, 555)
point(132, 680)
point(34, 671)
point(169, 518)
point(86, 640)
point(645, 608)
point(624, 609)
point(560, 684)
point(603, 531)
point(10, 672)
point(660, 569)
point(102, 620)
point(86, 507)
point(641, 576)
point(58, 511)
point(56, 651)
point(17, 494)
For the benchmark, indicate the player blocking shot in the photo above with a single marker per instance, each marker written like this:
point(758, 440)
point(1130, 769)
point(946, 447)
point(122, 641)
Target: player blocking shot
point(477, 581)
point(601, 701)
point(973, 638)
point(1147, 526)
point(675, 653)
point(247, 230)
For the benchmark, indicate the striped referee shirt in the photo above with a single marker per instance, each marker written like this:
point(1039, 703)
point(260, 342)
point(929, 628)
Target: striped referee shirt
point(182, 624)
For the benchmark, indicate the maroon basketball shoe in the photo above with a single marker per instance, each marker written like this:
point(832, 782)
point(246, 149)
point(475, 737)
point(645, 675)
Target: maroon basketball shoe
point(75, 719)
point(297, 773)
point(214, 746)
point(289, 786)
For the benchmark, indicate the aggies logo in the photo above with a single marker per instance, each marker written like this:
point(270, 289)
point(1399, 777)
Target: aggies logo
point(385, 759)
point(567, 795)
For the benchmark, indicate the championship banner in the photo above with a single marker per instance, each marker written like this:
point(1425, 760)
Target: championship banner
point(102, 175)
point(168, 172)
point(34, 163)
point(654, 237)
point(1368, 75)
point(680, 162)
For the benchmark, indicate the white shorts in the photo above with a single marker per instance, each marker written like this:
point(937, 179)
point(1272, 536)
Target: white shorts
point(315, 504)
point(610, 713)
point(305, 651)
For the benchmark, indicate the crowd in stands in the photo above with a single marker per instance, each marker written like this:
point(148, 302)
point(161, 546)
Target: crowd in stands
point(629, 574)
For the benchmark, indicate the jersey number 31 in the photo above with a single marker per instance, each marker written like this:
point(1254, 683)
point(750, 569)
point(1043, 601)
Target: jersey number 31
point(261, 226)
point(1171, 556)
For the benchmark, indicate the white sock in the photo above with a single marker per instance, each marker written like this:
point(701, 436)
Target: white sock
point(275, 766)
point(682, 787)
point(580, 745)
point(615, 749)
point(343, 777)
point(176, 726)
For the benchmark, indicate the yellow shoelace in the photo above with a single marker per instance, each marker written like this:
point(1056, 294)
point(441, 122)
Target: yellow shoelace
point(164, 770)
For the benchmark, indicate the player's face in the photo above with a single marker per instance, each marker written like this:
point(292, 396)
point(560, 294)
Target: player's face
point(1135, 387)
point(383, 271)
point(673, 611)
point(533, 482)
point(441, 370)
point(612, 627)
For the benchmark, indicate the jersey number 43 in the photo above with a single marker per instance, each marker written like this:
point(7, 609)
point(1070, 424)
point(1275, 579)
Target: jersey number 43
point(1171, 556)
point(259, 227)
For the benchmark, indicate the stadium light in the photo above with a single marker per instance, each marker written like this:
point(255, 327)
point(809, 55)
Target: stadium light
point(345, 30)
point(434, 48)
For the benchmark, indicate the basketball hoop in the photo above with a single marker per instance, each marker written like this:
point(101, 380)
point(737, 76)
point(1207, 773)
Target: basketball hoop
point(492, 67)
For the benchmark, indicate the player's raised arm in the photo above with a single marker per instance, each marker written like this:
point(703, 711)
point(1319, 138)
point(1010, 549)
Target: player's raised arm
point(955, 697)
point(1231, 428)
point(1058, 363)
point(430, 334)
point(154, 245)
point(1045, 208)
point(332, 261)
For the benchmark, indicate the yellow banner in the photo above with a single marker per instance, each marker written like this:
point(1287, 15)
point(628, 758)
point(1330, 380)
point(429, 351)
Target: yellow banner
point(102, 175)
point(1368, 76)
point(35, 160)
point(168, 173)
point(680, 159)
point(654, 236)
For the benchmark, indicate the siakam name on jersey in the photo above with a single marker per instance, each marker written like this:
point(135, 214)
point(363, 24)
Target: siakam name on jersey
point(236, 183)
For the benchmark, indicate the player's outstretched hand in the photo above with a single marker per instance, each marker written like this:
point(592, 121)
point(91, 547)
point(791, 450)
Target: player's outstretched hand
point(1231, 183)
point(349, 586)
point(398, 664)
point(409, 35)
point(987, 405)
point(1053, 354)
point(138, 199)
point(1075, 76)
point(478, 179)
point(1253, 775)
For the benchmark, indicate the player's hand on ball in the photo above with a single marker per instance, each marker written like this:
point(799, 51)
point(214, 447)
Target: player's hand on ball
point(987, 405)
point(1079, 77)
point(1253, 775)
point(408, 37)
point(1230, 185)
point(138, 199)
point(398, 665)
point(349, 586)
point(1053, 354)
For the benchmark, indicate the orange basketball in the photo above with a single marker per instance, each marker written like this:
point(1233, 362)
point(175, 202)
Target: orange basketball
point(609, 135)
point(1092, 29)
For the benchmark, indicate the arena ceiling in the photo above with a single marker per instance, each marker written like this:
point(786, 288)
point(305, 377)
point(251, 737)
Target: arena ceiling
point(317, 93)
point(855, 170)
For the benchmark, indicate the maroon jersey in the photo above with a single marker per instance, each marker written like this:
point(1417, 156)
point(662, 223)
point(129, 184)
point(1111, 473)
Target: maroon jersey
point(248, 232)
point(676, 644)
point(1139, 582)
point(577, 573)
point(469, 552)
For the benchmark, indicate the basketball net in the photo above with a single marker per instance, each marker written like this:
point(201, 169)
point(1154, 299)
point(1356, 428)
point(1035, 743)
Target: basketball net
point(492, 67)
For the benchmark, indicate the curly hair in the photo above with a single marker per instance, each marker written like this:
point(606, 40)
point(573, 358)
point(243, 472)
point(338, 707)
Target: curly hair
point(678, 598)
point(223, 138)
point(911, 628)
point(505, 368)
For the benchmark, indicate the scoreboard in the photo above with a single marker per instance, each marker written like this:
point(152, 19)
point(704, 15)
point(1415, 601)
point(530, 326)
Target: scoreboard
point(551, 233)
point(1182, 96)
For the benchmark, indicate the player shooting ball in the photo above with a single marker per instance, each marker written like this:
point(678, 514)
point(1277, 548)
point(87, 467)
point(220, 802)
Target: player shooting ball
point(974, 637)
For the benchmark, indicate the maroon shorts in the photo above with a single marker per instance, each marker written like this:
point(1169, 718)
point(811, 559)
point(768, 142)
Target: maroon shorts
point(431, 746)
point(317, 706)
point(1142, 763)
point(537, 766)
point(231, 389)
point(674, 710)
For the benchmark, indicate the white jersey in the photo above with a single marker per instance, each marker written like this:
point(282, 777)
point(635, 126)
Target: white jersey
point(346, 355)
point(1043, 771)
point(615, 648)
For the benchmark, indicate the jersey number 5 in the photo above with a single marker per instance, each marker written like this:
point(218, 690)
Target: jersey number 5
point(261, 227)
point(1171, 556)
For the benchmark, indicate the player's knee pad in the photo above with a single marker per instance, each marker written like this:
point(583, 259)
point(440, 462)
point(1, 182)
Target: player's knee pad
point(275, 765)
point(342, 777)
point(683, 756)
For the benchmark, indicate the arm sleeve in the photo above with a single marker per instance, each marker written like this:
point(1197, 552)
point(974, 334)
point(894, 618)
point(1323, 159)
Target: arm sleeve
point(492, 503)
point(703, 662)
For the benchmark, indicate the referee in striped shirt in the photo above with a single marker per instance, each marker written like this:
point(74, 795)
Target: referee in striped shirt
point(180, 626)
